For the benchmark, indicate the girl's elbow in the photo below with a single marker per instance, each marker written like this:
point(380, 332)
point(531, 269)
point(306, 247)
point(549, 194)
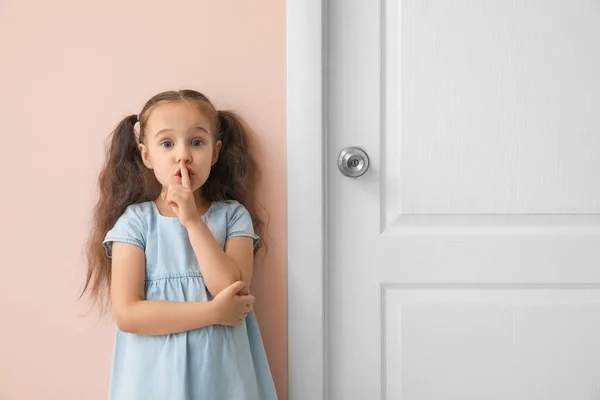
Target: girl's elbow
point(123, 321)
point(218, 288)
point(214, 290)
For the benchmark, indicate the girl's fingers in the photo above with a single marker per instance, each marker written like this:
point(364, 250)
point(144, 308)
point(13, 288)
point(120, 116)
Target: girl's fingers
point(175, 194)
point(170, 198)
point(185, 177)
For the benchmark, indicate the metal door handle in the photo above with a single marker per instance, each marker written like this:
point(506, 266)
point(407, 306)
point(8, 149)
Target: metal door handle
point(353, 162)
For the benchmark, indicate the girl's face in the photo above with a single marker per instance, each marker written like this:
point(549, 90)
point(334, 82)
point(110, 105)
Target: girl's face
point(178, 131)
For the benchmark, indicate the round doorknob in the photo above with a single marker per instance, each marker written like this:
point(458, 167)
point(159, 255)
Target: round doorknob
point(353, 162)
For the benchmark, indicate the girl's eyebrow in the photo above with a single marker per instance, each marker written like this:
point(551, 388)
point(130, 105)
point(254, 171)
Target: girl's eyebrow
point(200, 128)
point(167, 130)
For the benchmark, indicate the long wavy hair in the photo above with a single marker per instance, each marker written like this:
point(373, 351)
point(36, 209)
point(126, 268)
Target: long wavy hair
point(125, 180)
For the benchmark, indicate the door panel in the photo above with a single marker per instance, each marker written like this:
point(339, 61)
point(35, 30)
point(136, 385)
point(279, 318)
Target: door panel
point(464, 263)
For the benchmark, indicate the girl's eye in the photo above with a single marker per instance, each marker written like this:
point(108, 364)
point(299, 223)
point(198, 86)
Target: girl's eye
point(196, 142)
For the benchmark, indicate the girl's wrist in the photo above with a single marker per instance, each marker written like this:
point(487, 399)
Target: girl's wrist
point(193, 223)
point(215, 312)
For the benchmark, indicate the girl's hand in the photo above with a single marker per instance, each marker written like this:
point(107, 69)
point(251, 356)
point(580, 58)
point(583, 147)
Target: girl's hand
point(181, 198)
point(231, 309)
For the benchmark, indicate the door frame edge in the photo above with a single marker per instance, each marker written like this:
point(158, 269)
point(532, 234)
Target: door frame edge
point(306, 218)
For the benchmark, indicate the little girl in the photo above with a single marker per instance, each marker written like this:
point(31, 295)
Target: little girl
point(171, 251)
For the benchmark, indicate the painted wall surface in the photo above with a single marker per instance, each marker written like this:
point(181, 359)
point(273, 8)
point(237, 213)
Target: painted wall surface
point(69, 71)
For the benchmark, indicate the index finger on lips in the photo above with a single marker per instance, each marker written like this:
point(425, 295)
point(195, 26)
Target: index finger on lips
point(185, 176)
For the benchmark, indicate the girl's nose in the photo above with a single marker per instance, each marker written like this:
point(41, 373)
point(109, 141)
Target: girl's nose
point(184, 155)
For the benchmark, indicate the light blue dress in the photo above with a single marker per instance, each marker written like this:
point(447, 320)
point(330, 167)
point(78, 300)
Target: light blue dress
point(213, 363)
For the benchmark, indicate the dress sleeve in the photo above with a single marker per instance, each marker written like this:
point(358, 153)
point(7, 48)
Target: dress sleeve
point(239, 222)
point(129, 228)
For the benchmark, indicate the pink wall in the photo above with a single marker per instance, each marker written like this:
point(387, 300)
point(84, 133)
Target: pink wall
point(69, 70)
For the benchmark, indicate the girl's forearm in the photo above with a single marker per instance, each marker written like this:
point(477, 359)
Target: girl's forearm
point(218, 271)
point(162, 317)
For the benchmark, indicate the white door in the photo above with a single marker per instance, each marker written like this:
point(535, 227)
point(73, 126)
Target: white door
point(465, 263)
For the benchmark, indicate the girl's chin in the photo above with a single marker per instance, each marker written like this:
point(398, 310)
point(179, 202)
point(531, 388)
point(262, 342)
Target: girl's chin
point(179, 179)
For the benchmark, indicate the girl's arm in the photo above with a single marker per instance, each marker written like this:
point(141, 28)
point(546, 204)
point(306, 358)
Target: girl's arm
point(134, 314)
point(221, 268)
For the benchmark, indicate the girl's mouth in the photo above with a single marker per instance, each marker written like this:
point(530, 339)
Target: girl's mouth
point(190, 173)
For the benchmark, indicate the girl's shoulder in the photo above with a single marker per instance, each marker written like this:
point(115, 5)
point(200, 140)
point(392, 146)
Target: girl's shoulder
point(139, 214)
point(141, 210)
point(226, 209)
point(234, 218)
point(130, 227)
